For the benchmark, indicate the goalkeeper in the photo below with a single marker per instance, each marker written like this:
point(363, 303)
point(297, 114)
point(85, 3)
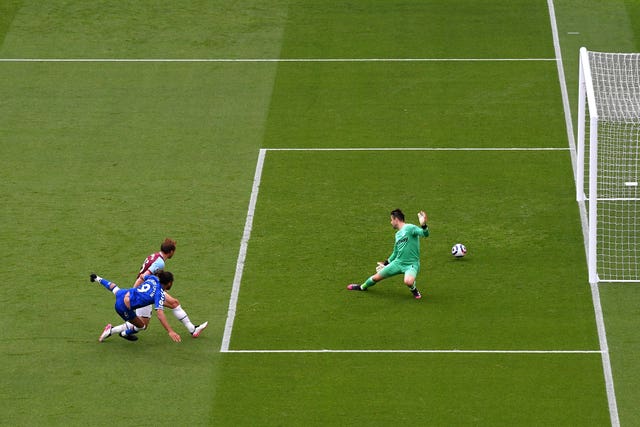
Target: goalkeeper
point(405, 258)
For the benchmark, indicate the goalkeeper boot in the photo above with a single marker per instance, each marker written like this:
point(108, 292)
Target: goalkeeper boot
point(355, 287)
point(106, 333)
point(416, 293)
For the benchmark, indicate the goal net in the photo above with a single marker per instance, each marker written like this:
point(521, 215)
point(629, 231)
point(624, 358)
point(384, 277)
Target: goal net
point(609, 155)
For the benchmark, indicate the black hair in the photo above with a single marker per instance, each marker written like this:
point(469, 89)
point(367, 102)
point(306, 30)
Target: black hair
point(397, 213)
point(165, 277)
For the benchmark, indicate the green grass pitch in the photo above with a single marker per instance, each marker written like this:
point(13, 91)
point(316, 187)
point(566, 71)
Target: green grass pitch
point(100, 160)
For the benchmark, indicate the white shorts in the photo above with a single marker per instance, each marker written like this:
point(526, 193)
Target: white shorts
point(144, 311)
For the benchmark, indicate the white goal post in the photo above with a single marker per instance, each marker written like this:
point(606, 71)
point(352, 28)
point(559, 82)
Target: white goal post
point(608, 152)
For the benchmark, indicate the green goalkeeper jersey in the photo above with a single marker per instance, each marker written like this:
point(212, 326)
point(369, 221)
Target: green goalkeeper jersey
point(407, 246)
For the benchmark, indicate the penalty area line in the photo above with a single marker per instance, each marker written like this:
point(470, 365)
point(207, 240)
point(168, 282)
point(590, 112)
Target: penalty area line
point(242, 253)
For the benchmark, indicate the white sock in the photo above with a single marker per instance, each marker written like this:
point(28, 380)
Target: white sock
point(118, 329)
point(182, 316)
point(125, 326)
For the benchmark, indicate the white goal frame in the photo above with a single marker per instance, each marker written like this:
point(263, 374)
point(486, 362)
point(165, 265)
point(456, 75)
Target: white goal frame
point(605, 107)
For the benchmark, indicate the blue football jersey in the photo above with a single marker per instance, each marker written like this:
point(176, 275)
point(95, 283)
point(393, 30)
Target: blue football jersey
point(149, 292)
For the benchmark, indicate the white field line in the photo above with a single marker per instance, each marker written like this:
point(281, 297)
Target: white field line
point(426, 149)
point(595, 293)
point(242, 254)
point(425, 351)
point(258, 60)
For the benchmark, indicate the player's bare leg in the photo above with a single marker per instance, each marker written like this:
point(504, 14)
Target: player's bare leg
point(367, 284)
point(410, 281)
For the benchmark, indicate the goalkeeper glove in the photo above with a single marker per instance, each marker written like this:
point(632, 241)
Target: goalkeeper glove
point(381, 265)
point(422, 217)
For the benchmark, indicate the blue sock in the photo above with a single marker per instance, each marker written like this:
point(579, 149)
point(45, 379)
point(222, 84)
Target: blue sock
point(107, 284)
point(131, 329)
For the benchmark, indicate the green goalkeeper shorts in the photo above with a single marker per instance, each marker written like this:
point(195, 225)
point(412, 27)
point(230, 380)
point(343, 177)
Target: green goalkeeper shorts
point(394, 268)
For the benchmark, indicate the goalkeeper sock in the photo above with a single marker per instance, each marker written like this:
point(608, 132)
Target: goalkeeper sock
point(368, 283)
point(182, 316)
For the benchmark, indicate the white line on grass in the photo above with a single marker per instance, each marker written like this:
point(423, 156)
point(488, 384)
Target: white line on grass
point(242, 254)
point(595, 293)
point(257, 60)
point(426, 351)
point(426, 149)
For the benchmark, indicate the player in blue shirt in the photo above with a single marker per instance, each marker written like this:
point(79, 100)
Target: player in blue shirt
point(150, 292)
point(153, 264)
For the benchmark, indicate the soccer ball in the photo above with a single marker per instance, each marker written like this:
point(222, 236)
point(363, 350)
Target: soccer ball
point(458, 250)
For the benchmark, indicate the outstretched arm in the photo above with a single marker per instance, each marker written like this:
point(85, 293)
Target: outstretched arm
point(141, 277)
point(163, 320)
point(422, 217)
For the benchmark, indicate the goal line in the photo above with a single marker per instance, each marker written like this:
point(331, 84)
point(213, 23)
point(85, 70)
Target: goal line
point(424, 351)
